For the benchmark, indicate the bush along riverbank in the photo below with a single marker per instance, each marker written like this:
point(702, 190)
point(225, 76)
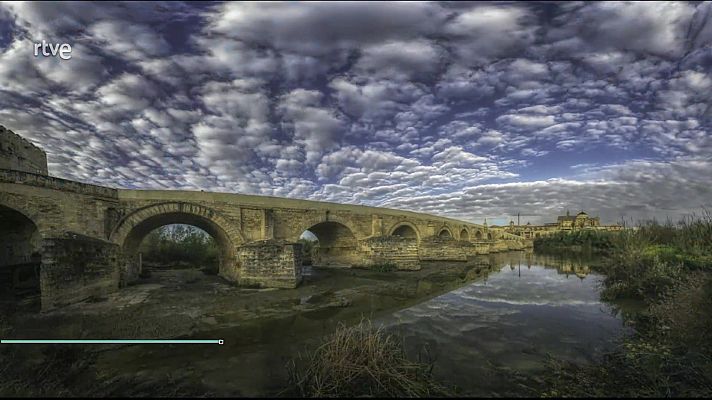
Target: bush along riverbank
point(577, 241)
point(668, 267)
point(361, 361)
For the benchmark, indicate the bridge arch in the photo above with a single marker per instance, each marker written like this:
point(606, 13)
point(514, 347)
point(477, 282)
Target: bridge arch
point(20, 254)
point(337, 244)
point(464, 234)
point(21, 206)
point(478, 235)
point(132, 229)
point(404, 229)
point(445, 233)
point(490, 236)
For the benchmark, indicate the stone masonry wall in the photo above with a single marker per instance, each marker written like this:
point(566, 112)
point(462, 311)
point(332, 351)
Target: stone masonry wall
point(76, 267)
point(270, 263)
point(400, 251)
point(58, 184)
point(444, 249)
point(481, 247)
point(498, 246)
point(19, 154)
point(58, 205)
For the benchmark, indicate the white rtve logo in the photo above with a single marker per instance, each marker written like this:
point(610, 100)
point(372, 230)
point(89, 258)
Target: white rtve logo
point(64, 50)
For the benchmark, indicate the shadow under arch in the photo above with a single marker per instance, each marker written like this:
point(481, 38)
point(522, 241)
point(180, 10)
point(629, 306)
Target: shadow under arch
point(337, 244)
point(406, 230)
point(20, 256)
point(445, 233)
point(464, 234)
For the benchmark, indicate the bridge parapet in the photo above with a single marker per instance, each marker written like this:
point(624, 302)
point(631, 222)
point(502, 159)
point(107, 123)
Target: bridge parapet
point(49, 182)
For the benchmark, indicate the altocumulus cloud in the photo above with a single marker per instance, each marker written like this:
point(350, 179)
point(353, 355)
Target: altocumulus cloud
point(467, 110)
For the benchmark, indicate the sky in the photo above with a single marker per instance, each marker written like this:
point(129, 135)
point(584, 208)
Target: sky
point(466, 110)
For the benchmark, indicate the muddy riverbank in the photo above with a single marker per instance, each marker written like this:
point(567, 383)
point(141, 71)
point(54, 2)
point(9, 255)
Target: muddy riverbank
point(262, 329)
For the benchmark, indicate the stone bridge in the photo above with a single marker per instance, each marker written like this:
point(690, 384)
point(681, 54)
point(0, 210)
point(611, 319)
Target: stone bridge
point(83, 239)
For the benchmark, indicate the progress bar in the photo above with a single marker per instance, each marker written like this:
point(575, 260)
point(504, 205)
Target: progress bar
point(111, 341)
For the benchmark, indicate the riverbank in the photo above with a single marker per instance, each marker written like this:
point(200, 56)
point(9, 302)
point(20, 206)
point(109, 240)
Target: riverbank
point(669, 269)
point(261, 329)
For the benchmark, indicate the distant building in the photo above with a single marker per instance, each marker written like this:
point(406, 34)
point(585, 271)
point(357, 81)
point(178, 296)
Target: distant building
point(580, 221)
point(564, 223)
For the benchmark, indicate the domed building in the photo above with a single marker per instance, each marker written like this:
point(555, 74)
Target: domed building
point(581, 220)
point(566, 222)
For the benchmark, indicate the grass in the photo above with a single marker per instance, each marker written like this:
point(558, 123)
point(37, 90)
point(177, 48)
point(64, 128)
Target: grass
point(381, 266)
point(361, 361)
point(668, 267)
point(384, 267)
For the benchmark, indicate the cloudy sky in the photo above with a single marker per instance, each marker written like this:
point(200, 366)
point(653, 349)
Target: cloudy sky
point(457, 109)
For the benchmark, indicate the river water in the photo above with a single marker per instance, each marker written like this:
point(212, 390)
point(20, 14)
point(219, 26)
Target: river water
point(489, 337)
point(492, 337)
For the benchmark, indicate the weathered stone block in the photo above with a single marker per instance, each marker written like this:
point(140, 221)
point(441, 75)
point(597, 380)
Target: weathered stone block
point(445, 249)
point(403, 252)
point(270, 263)
point(76, 267)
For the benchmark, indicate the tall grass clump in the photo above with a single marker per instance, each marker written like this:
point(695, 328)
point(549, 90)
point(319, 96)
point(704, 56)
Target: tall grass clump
point(361, 361)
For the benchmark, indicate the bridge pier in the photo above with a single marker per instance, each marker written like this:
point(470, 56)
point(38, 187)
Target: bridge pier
point(396, 250)
point(76, 267)
point(269, 263)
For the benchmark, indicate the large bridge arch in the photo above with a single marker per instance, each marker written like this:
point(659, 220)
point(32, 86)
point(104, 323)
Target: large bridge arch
point(337, 243)
point(405, 229)
point(20, 205)
point(133, 228)
point(20, 254)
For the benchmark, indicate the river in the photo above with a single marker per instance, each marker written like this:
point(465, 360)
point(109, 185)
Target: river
point(492, 337)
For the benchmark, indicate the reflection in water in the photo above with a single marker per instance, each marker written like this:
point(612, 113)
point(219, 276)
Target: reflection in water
point(511, 321)
point(567, 265)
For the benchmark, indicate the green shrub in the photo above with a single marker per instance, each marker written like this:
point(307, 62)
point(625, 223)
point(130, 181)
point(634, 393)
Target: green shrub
point(588, 240)
point(385, 267)
point(180, 244)
point(378, 266)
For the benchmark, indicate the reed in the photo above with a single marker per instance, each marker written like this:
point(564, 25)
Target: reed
point(361, 361)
